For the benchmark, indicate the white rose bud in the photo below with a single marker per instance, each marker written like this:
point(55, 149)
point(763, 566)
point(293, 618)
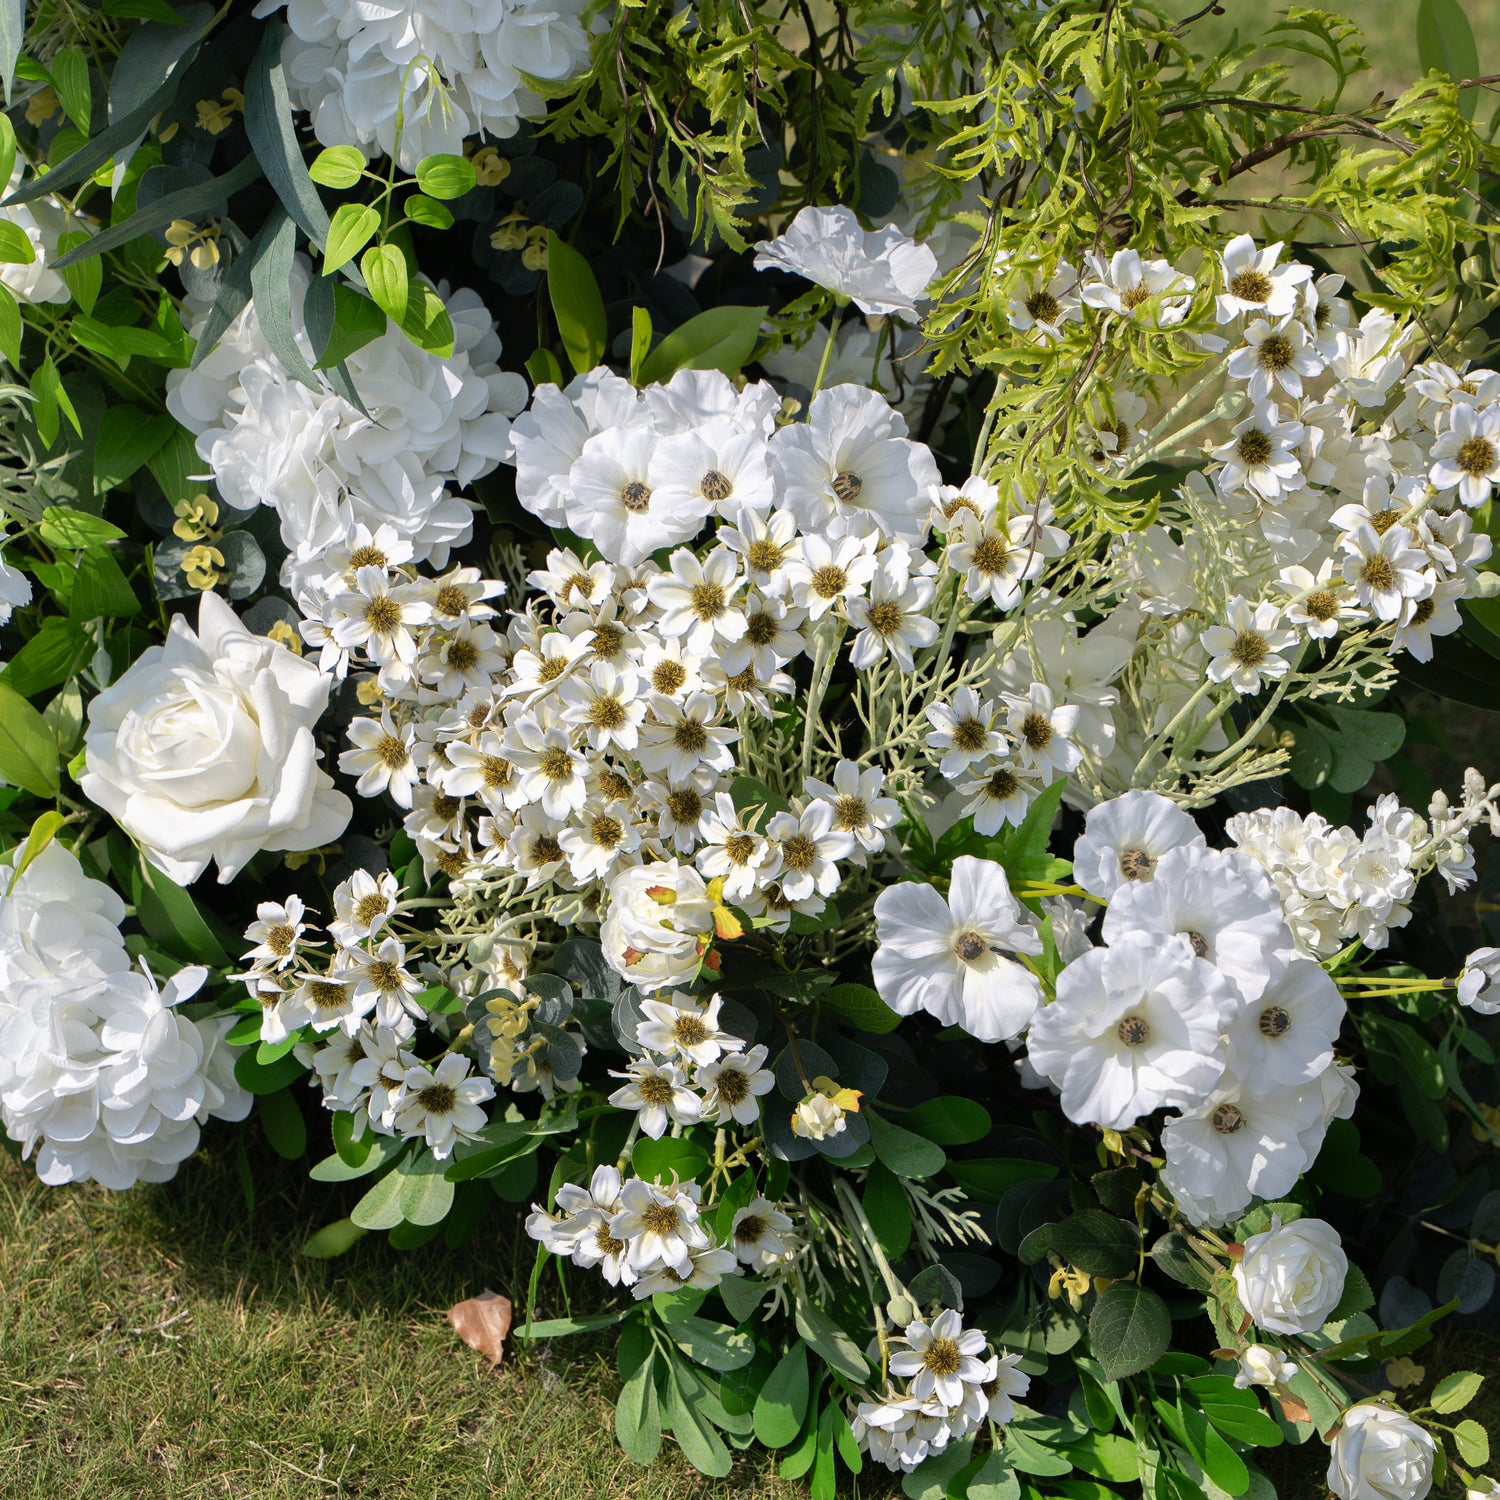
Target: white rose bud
point(817, 1118)
point(1291, 1277)
point(658, 914)
point(1380, 1454)
point(1260, 1365)
point(203, 750)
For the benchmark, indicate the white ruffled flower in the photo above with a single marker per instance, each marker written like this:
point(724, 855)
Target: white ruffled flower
point(450, 68)
point(1476, 984)
point(43, 221)
point(203, 749)
point(945, 956)
point(1134, 1026)
point(881, 271)
point(1125, 839)
point(658, 919)
point(1291, 1276)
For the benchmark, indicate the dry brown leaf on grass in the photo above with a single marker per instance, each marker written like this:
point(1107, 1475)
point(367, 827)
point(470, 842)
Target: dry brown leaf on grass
point(483, 1322)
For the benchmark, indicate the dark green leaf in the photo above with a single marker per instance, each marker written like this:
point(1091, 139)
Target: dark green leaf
point(273, 136)
point(1097, 1242)
point(271, 287)
point(1445, 42)
point(860, 1007)
point(949, 1119)
point(638, 1415)
point(12, 30)
point(781, 1407)
point(700, 1444)
point(128, 437)
point(1129, 1329)
point(906, 1154)
point(658, 1160)
point(282, 1122)
point(828, 1340)
point(356, 322)
point(85, 279)
point(426, 1194)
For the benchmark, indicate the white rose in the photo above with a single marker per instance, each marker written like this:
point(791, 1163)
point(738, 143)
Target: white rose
point(817, 1118)
point(203, 750)
point(1260, 1365)
point(1379, 1454)
point(658, 914)
point(1291, 1277)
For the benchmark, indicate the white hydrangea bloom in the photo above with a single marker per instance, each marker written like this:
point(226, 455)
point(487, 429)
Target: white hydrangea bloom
point(451, 68)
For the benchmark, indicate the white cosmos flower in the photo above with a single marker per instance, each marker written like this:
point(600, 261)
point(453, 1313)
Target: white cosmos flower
point(1125, 838)
point(1246, 651)
point(1134, 1026)
point(1467, 455)
point(1221, 901)
point(610, 500)
point(1274, 357)
point(733, 1085)
point(1285, 1036)
point(1234, 1147)
point(1041, 732)
point(759, 1231)
point(941, 1358)
point(881, 271)
point(660, 1092)
point(850, 468)
point(811, 843)
point(698, 600)
point(441, 1104)
point(1254, 283)
point(719, 468)
point(942, 956)
point(1385, 570)
point(1261, 455)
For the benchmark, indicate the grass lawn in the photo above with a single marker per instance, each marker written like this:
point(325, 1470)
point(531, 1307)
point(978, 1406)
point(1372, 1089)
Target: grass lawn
point(165, 1343)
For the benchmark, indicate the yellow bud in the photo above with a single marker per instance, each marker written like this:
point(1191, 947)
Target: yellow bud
point(284, 633)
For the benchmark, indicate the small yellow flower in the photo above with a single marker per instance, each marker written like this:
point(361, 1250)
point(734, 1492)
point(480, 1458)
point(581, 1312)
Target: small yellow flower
point(1068, 1282)
point(510, 233)
point(1491, 1114)
point(1404, 1372)
point(490, 167)
point(201, 564)
point(186, 240)
point(196, 519)
point(368, 692)
point(215, 117)
point(534, 256)
point(846, 1099)
point(284, 634)
point(42, 105)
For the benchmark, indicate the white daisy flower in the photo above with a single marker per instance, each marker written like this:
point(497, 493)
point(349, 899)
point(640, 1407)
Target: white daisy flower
point(998, 793)
point(1385, 570)
point(1436, 615)
point(1274, 357)
point(1319, 604)
point(705, 1269)
point(894, 618)
point(276, 932)
point(1245, 652)
point(733, 1085)
point(946, 957)
point(680, 1027)
point(608, 705)
point(830, 570)
point(697, 600)
point(597, 842)
point(441, 1104)
point(1151, 291)
point(381, 758)
point(1041, 731)
point(1467, 455)
point(549, 769)
point(941, 1358)
point(858, 807)
point(681, 739)
point(1262, 455)
point(759, 1231)
point(660, 1224)
point(361, 905)
point(810, 846)
point(1254, 283)
point(735, 852)
point(773, 636)
point(382, 975)
point(377, 618)
point(964, 733)
point(660, 1093)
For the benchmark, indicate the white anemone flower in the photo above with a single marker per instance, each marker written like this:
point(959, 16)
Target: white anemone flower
point(441, 1104)
point(1047, 305)
point(947, 957)
point(1236, 1146)
point(1125, 839)
point(882, 271)
point(718, 468)
point(610, 499)
point(681, 1027)
point(1222, 902)
point(1134, 1026)
point(733, 1086)
point(1285, 1036)
point(1246, 651)
point(759, 1231)
point(660, 1223)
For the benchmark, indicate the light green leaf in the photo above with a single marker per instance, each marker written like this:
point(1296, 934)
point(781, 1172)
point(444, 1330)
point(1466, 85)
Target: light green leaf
point(28, 752)
point(70, 77)
point(73, 530)
point(577, 304)
point(15, 247)
point(338, 167)
point(426, 1194)
point(85, 278)
point(445, 176)
point(723, 338)
point(352, 228)
point(333, 1240)
point(1455, 1391)
point(43, 831)
point(1445, 42)
point(421, 209)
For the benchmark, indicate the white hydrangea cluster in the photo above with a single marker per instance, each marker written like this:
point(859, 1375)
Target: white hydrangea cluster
point(953, 1387)
point(1336, 885)
point(430, 428)
point(653, 1237)
point(418, 79)
point(100, 1075)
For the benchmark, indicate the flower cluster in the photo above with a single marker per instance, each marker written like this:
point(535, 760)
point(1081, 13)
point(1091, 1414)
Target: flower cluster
point(952, 1389)
point(417, 80)
point(102, 1076)
point(425, 428)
